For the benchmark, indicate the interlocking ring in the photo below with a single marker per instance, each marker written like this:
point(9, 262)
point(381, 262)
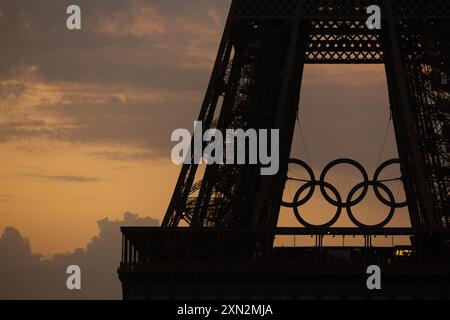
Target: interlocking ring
point(310, 185)
point(376, 184)
point(376, 177)
point(350, 162)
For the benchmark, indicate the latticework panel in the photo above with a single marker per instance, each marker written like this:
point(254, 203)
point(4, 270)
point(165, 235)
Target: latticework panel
point(336, 9)
point(260, 8)
point(250, 101)
point(425, 52)
point(338, 48)
point(421, 9)
point(341, 9)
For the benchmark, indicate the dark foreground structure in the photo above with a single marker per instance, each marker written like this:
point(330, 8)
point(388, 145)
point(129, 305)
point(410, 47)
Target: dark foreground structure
point(230, 213)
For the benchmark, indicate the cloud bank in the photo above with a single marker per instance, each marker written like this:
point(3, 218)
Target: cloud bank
point(25, 275)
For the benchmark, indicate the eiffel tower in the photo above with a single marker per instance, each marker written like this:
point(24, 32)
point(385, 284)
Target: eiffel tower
point(217, 237)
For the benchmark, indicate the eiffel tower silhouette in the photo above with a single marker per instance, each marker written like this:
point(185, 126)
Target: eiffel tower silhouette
point(231, 212)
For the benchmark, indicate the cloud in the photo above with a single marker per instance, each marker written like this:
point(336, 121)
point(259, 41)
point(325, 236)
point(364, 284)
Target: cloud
point(25, 275)
point(120, 168)
point(93, 114)
point(140, 20)
point(64, 178)
point(136, 71)
point(127, 155)
point(128, 41)
point(6, 198)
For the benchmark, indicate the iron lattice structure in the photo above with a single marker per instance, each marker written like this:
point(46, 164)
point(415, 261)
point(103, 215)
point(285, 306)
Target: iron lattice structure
point(256, 83)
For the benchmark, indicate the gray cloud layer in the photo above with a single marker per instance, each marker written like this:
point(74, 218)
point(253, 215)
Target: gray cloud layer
point(135, 72)
point(25, 275)
point(131, 41)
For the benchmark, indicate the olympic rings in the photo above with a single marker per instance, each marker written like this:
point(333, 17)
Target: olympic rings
point(338, 202)
point(376, 184)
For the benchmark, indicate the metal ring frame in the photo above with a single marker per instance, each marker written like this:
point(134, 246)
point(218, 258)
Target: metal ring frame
point(337, 201)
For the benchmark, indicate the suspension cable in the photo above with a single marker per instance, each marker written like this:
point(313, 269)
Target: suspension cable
point(383, 145)
point(304, 141)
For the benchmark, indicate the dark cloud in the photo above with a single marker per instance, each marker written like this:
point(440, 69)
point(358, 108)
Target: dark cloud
point(126, 41)
point(127, 156)
point(120, 168)
point(100, 77)
point(64, 178)
point(25, 275)
point(6, 198)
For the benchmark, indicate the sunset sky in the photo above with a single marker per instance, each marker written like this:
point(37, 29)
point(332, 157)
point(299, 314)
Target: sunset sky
point(86, 116)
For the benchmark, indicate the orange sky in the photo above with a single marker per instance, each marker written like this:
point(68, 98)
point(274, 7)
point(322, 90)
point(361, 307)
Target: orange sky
point(59, 216)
